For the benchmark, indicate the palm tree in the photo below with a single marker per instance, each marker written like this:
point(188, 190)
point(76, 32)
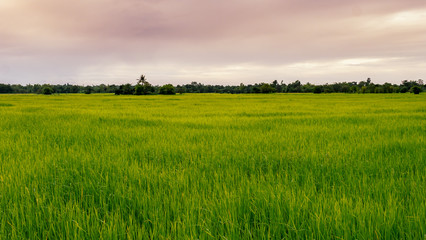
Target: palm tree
point(142, 80)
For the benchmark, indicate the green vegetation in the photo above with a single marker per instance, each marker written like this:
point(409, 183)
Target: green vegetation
point(317, 89)
point(88, 89)
point(266, 88)
point(416, 89)
point(143, 87)
point(47, 90)
point(210, 166)
point(167, 89)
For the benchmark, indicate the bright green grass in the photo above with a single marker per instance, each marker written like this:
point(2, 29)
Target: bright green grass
point(209, 166)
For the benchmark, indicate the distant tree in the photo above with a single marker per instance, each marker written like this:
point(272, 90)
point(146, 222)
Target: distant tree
point(362, 84)
point(415, 89)
point(279, 87)
point(180, 89)
point(99, 88)
point(143, 87)
point(242, 88)
point(194, 87)
point(403, 89)
point(148, 89)
point(307, 88)
point(266, 88)
point(283, 87)
point(317, 89)
point(327, 88)
point(167, 89)
point(294, 87)
point(5, 88)
point(88, 89)
point(344, 88)
point(409, 84)
point(371, 88)
point(255, 89)
point(276, 86)
point(74, 89)
point(111, 88)
point(36, 88)
point(353, 89)
point(127, 89)
point(368, 81)
point(47, 90)
point(142, 80)
point(139, 89)
point(387, 88)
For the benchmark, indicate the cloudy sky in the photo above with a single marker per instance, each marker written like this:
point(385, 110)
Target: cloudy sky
point(211, 41)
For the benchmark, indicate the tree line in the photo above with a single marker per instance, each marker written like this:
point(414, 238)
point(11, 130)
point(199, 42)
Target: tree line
point(143, 87)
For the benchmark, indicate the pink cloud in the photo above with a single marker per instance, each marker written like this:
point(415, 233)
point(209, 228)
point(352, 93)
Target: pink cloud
point(65, 38)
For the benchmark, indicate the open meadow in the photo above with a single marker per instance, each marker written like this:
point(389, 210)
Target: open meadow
point(211, 166)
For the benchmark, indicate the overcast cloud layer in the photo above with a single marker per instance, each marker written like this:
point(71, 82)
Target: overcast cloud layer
point(211, 41)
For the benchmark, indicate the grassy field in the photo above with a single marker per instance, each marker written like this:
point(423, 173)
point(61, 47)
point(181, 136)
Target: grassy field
point(207, 166)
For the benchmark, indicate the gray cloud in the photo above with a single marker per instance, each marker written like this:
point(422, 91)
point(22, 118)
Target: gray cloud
point(210, 41)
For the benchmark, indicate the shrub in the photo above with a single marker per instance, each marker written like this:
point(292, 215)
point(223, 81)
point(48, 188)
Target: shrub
point(266, 88)
point(88, 90)
point(47, 90)
point(180, 90)
point(256, 90)
point(415, 89)
point(317, 89)
point(139, 89)
point(403, 90)
point(127, 89)
point(167, 89)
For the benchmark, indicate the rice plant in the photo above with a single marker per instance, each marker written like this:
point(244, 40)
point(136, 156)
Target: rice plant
point(212, 166)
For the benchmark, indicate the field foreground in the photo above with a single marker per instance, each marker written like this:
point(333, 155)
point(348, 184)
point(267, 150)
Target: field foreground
point(209, 166)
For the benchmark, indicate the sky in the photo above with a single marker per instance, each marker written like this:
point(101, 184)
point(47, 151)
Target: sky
point(90, 42)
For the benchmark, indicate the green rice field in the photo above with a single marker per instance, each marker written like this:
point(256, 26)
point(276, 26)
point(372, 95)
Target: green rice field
point(213, 166)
